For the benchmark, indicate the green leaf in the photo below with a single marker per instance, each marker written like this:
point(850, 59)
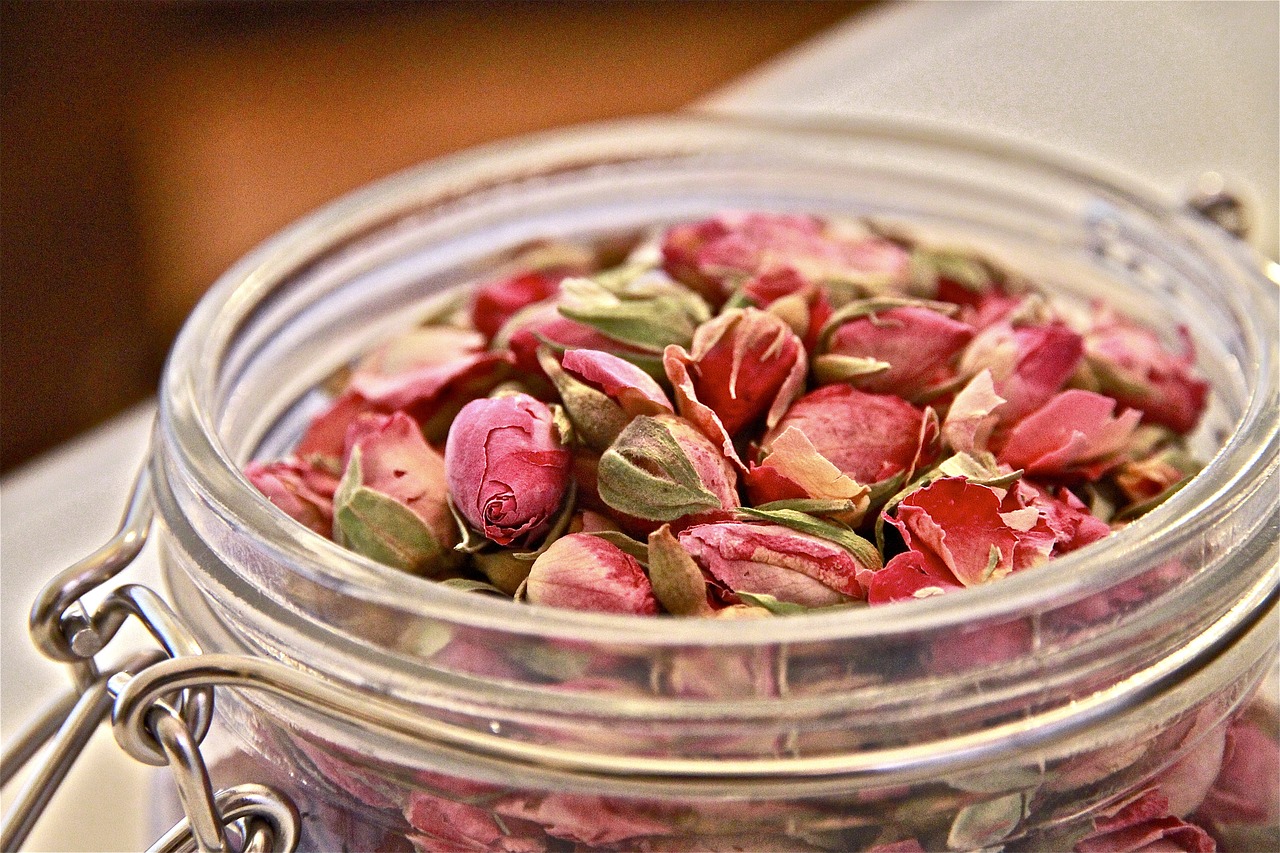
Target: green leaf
point(866, 554)
point(469, 585)
point(770, 603)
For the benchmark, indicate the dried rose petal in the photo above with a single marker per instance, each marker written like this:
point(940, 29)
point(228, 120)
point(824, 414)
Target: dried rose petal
point(1072, 524)
point(1075, 433)
point(768, 559)
point(584, 572)
point(507, 469)
point(869, 437)
point(1128, 362)
point(1028, 364)
point(795, 469)
point(449, 825)
point(1146, 825)
point(960, 527)
point(804, 306)
point(303, 491)
point(909, 576)
point(1247, 788)
point(586, 818)
point(919, 345)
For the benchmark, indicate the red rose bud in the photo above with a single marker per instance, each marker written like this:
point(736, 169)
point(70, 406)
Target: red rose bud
point(960, 529)
point(391, 503)
point(541, 271)
point(303, 491)
point(1129, 363)
point(717, 256)
point(869, 437)
point(506, 467)
point(602, 393)
point(1074, 434)
point(584, 572)
point(794, 469)
point(907, 350)
point(743, 365)
point(803, 305)
point(769, 559)
point(662, 468)
point(1028, 364)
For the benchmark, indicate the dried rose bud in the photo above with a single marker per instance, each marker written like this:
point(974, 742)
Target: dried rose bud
point(972, 416)
point(961, 530)
point(794, 469)
point(1028, 364)
point(662, 468)
point(391, 503)
point(869, 437)
point(541, 269)
point(1247, 788)
point(718, 255)
point(601, 393)
point(507, 469)
point(585, 572)
point(1128, 362)
point(428, 373)
point(444, 824)
point(1074, 434)
point(769, 559)
point(804, 306)
point(543, 324)
point(743, 365)
point(303, 491)
point(909, 350)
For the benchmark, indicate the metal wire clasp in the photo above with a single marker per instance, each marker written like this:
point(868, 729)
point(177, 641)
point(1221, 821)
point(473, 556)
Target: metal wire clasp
point(63, 630)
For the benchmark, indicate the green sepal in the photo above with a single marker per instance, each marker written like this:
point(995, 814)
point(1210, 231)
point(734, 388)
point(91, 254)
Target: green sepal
point(469, 585)
point(383, 529)
point(928, 265)
point(811, 506)
point(624, 543)
point(594, 417)
point(677, 580)
point(862, 550)
point(1137, 510)
point(831, 368)
point(627, 482)
point(770, 603)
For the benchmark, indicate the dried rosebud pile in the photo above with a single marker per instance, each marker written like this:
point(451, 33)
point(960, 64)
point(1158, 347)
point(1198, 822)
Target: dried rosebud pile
point(753, 414)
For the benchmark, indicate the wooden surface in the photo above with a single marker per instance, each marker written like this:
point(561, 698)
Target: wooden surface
point(146, 146)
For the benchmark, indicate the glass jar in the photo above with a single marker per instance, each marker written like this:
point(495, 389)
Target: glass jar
point(1013, 714)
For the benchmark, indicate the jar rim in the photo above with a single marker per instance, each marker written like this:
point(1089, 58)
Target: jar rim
point(188, 435)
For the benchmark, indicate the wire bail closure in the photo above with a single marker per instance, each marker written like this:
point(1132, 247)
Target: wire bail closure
point(173, 726)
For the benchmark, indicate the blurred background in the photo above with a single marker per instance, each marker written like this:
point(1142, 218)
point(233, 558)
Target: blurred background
point(145, 146)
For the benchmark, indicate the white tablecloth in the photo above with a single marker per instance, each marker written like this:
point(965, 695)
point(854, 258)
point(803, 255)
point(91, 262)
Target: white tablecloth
point(1166, 91)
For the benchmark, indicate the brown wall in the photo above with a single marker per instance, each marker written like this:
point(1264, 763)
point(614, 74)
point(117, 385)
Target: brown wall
point(145, 146)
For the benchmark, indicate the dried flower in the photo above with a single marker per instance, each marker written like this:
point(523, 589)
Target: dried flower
point(507, 468)
point(888, 346)
point(742, 366)
point(1127, 362)
point(602, 392)
point(662, 468)
point(1074, 434)
point(769, 559)
point(1028, 364)
point(391, 505)
point(582, 571)
point(303, 491)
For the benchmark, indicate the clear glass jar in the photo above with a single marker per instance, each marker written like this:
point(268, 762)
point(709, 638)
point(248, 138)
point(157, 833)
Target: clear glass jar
point(1010, 714)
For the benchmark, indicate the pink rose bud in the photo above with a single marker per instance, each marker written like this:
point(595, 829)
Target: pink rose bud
point(1246, 789)
point(718, 255)
point(869, 437)
point(743, 365)
point(1028, 364)
point(769, 559)
point(391, 503)
point(303, 491)
point(1129, 363)
point(581, 571)
point(444, 824)
point(1074, 434)
point(909, 350)
point(507, 469)
point(601, 392)
point(662, 468)
point(962, 531)
point(540, 271)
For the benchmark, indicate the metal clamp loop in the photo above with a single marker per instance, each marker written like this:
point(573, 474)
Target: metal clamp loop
point(270, 822)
